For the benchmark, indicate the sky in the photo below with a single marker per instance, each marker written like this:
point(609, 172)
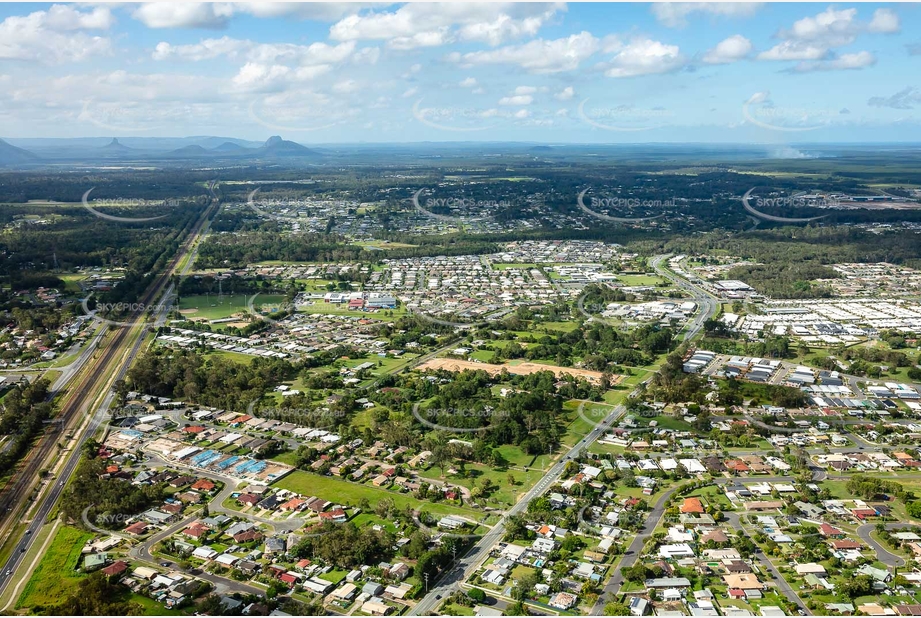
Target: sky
point(778, 74)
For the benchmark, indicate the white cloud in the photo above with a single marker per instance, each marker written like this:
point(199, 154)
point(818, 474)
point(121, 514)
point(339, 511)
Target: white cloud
point(62, 17)
point(907, 98)
point(346, 86)
point(504, 28)
point(644, 57)
point(728, 50)
point(367, 55)
point(207, 49)
point(216, 15)
point(565, 94)
point(885, 21)
point(812, 39)
point(522, 113)
point(526, 90)
point(520, 99)
point(410, 92)
point(319, 11)
point(675, 14)
point(859, 60)
point(432, 38)
point(469, 82)
point(794, 50)
point(257, 76)
point(417, 25)
point(55, 36)
point(184, 14)
point(830, 28)
point(253, 75)
point(537, 56)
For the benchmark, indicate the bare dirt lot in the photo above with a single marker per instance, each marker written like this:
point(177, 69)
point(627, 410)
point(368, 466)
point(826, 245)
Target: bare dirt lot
point(449, 364)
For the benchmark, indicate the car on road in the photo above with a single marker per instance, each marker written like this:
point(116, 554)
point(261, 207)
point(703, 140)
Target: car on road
point(166, 564)
point(28, 532)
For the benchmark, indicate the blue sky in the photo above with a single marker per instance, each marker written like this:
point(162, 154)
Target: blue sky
point(779, 74)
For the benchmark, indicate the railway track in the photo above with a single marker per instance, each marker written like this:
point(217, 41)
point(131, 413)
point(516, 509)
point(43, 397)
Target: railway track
point(92, 384)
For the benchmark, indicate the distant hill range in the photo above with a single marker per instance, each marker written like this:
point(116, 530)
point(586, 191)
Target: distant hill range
point(140, 149)
point(11, 155)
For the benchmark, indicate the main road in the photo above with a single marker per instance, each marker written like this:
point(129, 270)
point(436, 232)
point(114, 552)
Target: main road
point(708, 304)
point(465, 567)
point(113, 363)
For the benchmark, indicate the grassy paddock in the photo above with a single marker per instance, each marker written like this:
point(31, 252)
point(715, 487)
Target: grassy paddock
point(56, 575)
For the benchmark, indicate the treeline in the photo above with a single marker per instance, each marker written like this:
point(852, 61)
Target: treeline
point(530, 415)
point(73, 237)
point(240, 249)
point(207, 380)
point(41, 319)
point(25, 408)
point(672, 385)
point(723, 341)
point(93, 498)
point(808, 244)
point(345, 546)
point(785, 279)
point(869, 487)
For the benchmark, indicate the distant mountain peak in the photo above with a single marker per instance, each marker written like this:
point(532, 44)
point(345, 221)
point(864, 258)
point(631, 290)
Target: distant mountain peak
point(116, 145)
point(275, 146)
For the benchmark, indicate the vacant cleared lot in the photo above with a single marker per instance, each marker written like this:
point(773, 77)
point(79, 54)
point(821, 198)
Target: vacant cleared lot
point(449, 364)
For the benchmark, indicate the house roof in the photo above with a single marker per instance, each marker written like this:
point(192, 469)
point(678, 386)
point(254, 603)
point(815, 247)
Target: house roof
point(116, 568)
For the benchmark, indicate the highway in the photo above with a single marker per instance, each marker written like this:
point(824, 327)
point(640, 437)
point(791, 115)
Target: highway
point(112, 364)
point(708, 304)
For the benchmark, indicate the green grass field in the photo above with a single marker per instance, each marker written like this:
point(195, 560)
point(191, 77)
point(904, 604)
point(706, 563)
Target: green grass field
point(559, 327)
point(72, 281)
point(215, 307)
point(505, 494)
point(338, 490)
point(236, 357)
point(55, 576)
point(632, 280)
